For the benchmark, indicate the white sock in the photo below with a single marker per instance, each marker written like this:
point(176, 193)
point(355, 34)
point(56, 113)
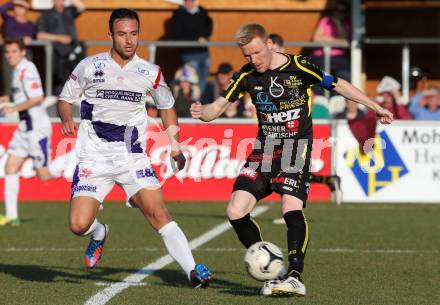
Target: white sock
point(12, 186)
point(58, 165)
point(96, 230)
point(177, 246)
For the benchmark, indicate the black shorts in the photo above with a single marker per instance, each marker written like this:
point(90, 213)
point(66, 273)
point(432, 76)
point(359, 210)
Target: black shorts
point(285, 171)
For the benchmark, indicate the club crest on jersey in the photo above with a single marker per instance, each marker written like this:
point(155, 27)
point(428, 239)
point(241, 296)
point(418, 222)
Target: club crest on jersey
point(275, 89)
point(99, 65)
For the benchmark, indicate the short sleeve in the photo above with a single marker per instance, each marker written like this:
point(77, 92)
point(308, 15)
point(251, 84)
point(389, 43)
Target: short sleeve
point(236, 85)
point(161, 93)
point(32, 83)
point(316, 75)
point(75, 84)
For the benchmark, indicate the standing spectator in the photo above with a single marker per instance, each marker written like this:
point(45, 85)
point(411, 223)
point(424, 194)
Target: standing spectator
point(16, 25)
point(426, 105)
point(191, 22)
point(186, 91)
point(334, 28)
point(390, 98)
point(58, 26)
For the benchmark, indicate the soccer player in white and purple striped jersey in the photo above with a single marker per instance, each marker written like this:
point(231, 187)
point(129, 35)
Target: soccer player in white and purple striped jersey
point(111, 142)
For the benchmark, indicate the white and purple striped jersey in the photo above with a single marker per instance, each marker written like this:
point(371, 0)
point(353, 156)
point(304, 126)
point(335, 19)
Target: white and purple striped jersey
point(26, 84)
point(113, 113)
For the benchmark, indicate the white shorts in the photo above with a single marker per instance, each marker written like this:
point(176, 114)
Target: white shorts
point(34, 144)
point(96, 178)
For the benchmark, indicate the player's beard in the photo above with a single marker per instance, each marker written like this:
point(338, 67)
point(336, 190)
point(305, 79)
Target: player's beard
point(124, 55)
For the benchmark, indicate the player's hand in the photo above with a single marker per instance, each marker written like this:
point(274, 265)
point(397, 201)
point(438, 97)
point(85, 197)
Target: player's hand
point(7, 110)
point(68, 127)
point(196, 110)
point(179, 158)
point(385, 116)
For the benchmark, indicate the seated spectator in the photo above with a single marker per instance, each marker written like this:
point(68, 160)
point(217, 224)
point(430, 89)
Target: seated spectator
point(186, 90)
point(320, 107)
point(390, 98)
point(58, 26)
point(216, 87)
point(426, 105)
point(351, 111)
point(277, 43)
point(16, 25)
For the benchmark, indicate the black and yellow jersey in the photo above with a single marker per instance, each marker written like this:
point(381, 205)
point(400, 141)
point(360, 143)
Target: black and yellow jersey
point(282, 96)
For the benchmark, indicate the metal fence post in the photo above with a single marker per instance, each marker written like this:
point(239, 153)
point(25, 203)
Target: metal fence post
point(152, 52)
point(405, 71)
point(48, 50)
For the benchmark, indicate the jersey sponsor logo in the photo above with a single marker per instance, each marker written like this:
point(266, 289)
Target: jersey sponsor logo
point(277, 132)
point(84, 188)
point(275, 89)
point(249, 172)
point(289, 182)
point(121, 95)
point(15, 90)
point(292, 82)
point(145, 173)
point(258, 88)
point(291, 104)
point(73, 77)
point(143, 71)
point(280, 117)
point(99, 74)
point(379, 168)
point(263, 103)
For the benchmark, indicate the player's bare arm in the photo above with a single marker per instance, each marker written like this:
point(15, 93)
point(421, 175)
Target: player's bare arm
point(171, 125)
point(23, 106)
point(350, 92)
point(4, 99)
point(210, 111)
point(68, 126)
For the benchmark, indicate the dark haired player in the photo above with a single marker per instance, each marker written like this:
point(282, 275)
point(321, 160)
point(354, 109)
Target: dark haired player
point(111, 142)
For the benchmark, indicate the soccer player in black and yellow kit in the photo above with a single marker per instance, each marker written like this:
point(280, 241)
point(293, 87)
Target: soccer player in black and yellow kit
point(280, 87)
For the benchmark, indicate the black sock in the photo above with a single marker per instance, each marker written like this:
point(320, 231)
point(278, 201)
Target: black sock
point(318, 179)
point(297, 241)
point(247, 230)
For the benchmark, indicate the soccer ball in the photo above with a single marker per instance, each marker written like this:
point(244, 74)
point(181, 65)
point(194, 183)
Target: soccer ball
point(264, 261)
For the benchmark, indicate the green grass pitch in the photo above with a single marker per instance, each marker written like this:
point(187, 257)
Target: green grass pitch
point(358, 254)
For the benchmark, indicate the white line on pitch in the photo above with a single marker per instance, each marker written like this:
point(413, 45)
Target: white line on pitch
point(140, 249)
point(105, 295)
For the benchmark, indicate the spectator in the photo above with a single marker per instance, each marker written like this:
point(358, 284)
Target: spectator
point(191, 22)
point(320, 107)
point(334, 28)
point(186, 91)
point(351, 111)
point(16, 25)
point(216, 87)
point(277, 43)
point(390, 98)
point(58, 26)
point(426, 105)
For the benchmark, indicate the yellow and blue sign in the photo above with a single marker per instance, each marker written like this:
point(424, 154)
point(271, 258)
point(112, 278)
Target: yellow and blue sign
point(379, 168)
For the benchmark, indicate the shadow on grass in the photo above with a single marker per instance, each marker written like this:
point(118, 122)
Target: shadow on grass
point(48, 274)
point(178, 280)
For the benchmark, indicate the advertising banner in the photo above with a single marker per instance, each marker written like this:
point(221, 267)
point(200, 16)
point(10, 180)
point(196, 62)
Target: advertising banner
point(215, 153)
point(404, 165)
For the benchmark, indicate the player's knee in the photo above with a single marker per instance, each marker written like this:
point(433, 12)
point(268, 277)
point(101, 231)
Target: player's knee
point(158, 215)
point(235, 212)
point(11, 169)
point(78, 226)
